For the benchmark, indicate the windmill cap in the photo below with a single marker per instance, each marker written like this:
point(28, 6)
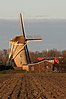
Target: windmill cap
point(19, 39)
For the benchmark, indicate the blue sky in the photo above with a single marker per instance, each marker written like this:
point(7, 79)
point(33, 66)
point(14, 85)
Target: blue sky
point(33, 8)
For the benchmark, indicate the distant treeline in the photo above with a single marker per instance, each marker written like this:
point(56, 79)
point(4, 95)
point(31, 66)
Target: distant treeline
point(50, 54)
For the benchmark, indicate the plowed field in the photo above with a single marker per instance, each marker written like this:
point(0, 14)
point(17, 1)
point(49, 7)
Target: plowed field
point(33, 86)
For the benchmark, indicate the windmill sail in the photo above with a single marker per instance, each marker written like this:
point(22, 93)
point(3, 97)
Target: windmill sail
point(26, 48)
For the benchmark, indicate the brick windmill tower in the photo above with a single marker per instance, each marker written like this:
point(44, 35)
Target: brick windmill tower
point(19, 50)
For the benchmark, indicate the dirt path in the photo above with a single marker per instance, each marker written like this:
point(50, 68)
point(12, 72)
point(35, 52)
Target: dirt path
point(33, 86)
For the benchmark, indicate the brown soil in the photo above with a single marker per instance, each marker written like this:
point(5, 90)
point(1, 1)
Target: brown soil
point(33, 86)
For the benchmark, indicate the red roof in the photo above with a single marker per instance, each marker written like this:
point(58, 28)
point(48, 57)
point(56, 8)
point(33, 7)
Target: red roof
point(40, 59)
point(56, 60)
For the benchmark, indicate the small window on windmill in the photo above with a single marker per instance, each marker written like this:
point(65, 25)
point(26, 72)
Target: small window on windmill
point(21, 55)
point(21, 62)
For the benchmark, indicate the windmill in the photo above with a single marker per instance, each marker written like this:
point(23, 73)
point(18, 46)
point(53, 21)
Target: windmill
point(19, 50)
